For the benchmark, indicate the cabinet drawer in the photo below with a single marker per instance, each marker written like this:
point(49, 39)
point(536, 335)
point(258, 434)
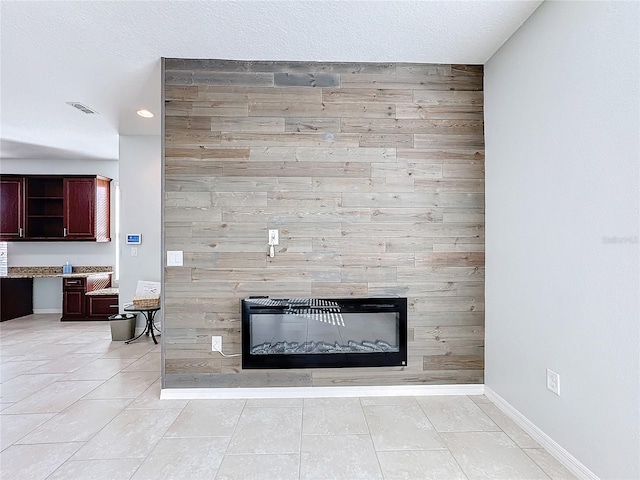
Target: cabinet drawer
point(74, 283)
point(101, 306)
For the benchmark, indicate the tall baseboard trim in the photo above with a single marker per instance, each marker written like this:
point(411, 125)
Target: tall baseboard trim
point(46, 310)
point(313, 392)
point(550, 445)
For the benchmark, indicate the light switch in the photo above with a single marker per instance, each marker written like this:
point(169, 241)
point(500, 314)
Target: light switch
point(175, 258)
point(134, 251)
point(273, 237)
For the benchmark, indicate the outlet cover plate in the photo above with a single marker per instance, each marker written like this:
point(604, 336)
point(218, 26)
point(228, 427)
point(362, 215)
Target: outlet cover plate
point(553, 381)
point(273, 237)
point(216, 343)
point(175, 258)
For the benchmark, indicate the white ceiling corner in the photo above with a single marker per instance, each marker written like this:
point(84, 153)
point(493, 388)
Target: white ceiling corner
point(106, 55)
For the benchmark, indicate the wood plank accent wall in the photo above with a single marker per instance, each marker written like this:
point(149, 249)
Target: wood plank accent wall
point(374, 175)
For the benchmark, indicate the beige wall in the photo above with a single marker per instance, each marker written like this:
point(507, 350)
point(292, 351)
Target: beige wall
point(374, 175)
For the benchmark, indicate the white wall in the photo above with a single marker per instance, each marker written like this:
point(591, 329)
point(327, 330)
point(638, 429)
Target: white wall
point(562, 283)
point(47, 292)
point(140, 211)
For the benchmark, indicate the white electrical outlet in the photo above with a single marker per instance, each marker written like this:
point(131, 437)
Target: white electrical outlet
point(273, 237)
point(553, 381)
point(216, 343)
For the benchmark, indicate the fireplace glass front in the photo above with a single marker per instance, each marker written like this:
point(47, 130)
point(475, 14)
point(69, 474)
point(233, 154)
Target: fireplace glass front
point(310, 332)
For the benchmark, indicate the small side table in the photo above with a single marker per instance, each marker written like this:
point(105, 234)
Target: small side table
point(149, 313)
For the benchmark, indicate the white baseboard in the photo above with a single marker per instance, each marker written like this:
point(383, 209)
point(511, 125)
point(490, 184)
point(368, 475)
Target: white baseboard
point(550, 445)
point(315, 392)
point(47, 310)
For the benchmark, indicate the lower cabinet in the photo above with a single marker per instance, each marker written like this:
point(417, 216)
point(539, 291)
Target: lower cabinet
point(101, 307)
point(16, 298)
point(73, 305)
point(77, 305)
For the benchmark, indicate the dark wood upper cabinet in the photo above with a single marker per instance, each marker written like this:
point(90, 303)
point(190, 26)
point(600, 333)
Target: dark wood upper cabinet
point(55, 207)
point(79, 207)
point(11, 208)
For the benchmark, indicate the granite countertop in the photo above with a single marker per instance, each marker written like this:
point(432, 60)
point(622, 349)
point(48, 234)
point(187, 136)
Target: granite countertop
point(104, 291)
point(52, 272)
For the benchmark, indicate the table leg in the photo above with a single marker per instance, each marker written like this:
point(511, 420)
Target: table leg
point(150, 325)
point(134, 339)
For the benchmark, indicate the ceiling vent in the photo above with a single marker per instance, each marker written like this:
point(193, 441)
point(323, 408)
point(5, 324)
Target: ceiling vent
point(82, 108)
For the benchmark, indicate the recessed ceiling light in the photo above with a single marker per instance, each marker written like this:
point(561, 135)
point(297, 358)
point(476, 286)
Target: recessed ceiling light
point(143, 112)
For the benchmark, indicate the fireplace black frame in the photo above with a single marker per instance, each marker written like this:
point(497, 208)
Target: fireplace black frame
point(264, 305)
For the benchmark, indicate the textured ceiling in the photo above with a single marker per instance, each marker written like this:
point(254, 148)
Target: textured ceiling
point(107, 54)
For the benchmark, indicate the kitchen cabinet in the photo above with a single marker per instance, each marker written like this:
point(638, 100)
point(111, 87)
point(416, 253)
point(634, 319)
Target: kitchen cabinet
point(77, 305)
point(56, 207)
point(12, 206)
point(16, 298)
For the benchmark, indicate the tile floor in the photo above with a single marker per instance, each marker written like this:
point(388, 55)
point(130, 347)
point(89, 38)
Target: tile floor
point(75, 405)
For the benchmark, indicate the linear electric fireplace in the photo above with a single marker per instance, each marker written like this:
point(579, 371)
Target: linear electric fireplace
point(313, 332)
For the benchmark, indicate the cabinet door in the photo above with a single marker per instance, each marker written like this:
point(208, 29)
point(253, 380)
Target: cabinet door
point(73, 304)
point(73, 298)
point(11, 208)
point(79, 208)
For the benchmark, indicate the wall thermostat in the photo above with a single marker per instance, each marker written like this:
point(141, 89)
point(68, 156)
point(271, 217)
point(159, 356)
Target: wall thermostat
point(134, 239)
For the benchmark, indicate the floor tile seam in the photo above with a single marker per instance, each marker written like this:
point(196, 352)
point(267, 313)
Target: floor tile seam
point(272, 406)
point(142, 462)
point(97, 459)
point(65, 461)
point(39, 411)
point(95, 380)
point(260, 454)
point(538, 464)
point(434, 449)
point(490, 431)
point(182, 437)
point(126, 370)
point(458, 463)
point(427, 416)
point(33, 375)
point(366, 421)
point(137, 409)
point(512, 437)
point(50, 442)
point(518, 448)
point(375, 453)
point(109, 398)
point(233, 432)
point(81, 444)
point(102, 383)
point(98, 431)
point(371, 409)
point(499, 430)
